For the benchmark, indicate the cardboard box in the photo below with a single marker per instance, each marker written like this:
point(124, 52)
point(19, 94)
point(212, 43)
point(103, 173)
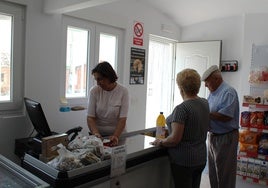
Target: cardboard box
point(243, 165)
point(257, 169)
point(239, 165)
point(263, 170)
point(49, 145)
point(250, 167)
point(45, 159)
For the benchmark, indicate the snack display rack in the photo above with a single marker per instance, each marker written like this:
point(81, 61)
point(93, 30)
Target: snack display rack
point(253, 166)
point(260, 128)
point(252, 159)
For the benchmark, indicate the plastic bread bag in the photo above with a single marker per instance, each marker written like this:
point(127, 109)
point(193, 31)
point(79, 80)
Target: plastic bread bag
point(258, 75)
point(88, 158)
point(95, 142)
point(78, 152)
point(65, 161)
point(255, 76)
point(107, 151)
point(89, 141)
point(76, 143)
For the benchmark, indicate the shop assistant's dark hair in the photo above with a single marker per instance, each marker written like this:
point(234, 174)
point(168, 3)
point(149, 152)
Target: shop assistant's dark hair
point(106, 70)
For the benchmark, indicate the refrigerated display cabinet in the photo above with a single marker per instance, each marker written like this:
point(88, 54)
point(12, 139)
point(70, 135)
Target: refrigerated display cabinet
point(12, 175)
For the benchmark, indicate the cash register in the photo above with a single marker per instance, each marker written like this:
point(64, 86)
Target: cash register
point(33, 145)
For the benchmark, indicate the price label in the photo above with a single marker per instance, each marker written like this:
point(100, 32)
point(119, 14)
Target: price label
point(252, 106)
point(118, 160)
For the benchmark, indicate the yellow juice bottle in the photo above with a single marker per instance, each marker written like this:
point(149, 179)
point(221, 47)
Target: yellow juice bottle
point(160, 126)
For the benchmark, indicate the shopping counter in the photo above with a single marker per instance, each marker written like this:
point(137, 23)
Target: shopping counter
point(146, 166)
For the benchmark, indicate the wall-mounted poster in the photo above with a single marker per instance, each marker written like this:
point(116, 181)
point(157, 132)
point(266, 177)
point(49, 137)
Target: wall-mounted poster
point(138, 33)
point(137, 66)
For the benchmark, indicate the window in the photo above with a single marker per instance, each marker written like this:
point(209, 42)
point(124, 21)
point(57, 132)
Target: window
point(5, 52)
point(109, 42)
point(11, 56)
point(108, 51)
point(86, 44)
point(76, 62)
point(160, 78)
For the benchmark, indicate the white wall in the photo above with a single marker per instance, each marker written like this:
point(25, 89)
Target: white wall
point(256, 30)
point(43, 66)
point(111, 14)
point(237, 35)
point(12, 127)
point(43, 58)
point(230, 31)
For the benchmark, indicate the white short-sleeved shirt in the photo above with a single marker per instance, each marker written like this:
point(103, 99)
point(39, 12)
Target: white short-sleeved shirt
point(108, 107)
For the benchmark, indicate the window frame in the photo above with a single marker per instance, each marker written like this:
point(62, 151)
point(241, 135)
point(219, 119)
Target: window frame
point(119, 33)
point(74, 22)
point(88, 31)
point(93, 52)
point(15, 105)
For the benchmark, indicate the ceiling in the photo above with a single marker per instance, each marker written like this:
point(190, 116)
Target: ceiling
point(182, 12)
point(188, 12)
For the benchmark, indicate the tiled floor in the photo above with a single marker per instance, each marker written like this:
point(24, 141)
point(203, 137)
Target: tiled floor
point(239, 183)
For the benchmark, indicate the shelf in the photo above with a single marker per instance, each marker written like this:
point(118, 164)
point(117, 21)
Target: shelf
point(259, 129)
point(262, 84)
point(254, 165)
point(253, 155)
point(251, 168)
point(254, 180)
point(251, 105)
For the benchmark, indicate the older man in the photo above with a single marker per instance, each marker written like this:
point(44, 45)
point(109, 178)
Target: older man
point(223, 130)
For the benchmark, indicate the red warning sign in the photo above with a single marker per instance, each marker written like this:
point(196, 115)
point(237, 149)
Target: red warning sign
point(138, 33)
point(138, 29)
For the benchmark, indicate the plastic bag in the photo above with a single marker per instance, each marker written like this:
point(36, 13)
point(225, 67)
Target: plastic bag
point(88, 158)
point(76, 143)
point(259, 75)
point(65, 161)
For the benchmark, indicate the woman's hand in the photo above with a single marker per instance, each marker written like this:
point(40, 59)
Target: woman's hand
point(157, 142)
point(98, 135)
point(114, 140)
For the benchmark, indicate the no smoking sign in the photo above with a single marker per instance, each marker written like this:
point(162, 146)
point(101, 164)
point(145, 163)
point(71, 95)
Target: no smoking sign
point(138, 33)
point(138, 29)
